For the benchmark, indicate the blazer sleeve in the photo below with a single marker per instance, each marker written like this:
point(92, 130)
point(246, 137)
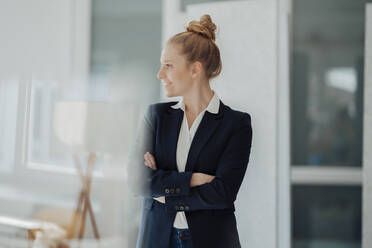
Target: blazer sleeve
point(144, 181)
point(221, 192)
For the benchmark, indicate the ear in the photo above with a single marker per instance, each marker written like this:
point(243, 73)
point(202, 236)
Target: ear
point(196, 68)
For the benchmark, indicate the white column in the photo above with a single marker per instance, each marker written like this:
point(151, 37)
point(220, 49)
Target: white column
point(284, 16)
point(367, 135)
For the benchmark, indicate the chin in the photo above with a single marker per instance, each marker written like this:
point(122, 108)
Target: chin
point(169, 94)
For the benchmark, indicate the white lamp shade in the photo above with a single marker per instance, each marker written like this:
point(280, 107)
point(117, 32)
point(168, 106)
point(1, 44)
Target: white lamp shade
point(90, 127)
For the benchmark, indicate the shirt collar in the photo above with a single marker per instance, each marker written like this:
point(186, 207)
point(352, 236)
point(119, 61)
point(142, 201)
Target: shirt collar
point(212, 107)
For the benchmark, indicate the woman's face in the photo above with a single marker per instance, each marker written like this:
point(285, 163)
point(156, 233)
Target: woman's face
point(175, 73)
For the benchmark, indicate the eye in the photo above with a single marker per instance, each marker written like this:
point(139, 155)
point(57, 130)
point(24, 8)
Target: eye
point(166, 65)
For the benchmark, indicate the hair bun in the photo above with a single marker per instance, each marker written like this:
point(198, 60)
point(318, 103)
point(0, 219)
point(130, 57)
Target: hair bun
point(204, 27)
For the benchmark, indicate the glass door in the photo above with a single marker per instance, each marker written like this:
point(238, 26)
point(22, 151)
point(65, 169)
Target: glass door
point(327, 94)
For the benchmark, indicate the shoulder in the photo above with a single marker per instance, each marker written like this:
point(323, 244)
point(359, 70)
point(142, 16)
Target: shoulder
point(159, 108)
point(240, 118)
point(240, 122)
point(155, 110)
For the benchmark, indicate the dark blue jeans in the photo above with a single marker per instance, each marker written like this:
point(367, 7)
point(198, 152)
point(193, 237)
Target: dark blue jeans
point(180, 238)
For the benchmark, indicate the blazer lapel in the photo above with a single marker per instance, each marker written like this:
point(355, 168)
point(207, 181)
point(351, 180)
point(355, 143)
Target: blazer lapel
point(206, 128)
point(172, 130)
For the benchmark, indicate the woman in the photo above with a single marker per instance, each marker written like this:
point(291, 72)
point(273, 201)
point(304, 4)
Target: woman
point(195, 151)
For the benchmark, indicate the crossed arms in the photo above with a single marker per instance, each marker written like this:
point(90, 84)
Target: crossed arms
point(189, 191)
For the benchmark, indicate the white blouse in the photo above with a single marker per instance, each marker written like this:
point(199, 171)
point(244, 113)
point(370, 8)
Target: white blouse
point(184, 142)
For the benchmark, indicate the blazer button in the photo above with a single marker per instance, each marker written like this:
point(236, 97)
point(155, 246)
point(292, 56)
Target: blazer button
point(182, 208)
point(166, 191)
point(171, 191)
point(178, 190)
point(187, 208)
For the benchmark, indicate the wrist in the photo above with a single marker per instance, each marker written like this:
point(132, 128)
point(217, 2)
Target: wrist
point(194, 179)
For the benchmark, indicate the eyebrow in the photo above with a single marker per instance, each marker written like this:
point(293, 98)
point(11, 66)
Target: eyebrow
point(167, 60)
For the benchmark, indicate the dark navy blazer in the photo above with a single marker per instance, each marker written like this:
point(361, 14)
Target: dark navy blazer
point(221, 147)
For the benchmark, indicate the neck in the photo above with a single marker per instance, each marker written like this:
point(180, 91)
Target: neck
point(198, 98)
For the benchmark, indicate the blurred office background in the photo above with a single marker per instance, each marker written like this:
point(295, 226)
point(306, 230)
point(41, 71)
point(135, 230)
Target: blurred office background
point(119, 44)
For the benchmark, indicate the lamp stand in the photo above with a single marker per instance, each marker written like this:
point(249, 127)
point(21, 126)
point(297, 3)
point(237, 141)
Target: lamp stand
point(84, 205)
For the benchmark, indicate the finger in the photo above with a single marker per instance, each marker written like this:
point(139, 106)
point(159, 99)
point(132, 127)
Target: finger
point(152, 160)
point(160, 199)
point(148, 164)
point(147, 158)
point(152, 163)
point(150, 157)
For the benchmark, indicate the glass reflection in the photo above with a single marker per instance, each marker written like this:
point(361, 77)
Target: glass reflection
point(326, 216)
point(327, 82)
point(44, 96)
point(8, 119)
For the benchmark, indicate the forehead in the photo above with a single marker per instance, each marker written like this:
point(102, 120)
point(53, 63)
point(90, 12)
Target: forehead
point(170, 53)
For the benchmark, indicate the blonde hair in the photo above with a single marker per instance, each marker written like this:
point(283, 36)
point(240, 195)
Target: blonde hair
point(198, 44)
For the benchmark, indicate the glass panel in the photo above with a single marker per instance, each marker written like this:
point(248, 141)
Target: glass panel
point(326, 216)
point(327, 82)
point(126, 45)
point(8, 119)
point(44, 95)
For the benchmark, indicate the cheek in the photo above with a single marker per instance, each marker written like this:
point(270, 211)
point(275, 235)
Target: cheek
point(179, 77)
point(173, 76)
point(182, 75)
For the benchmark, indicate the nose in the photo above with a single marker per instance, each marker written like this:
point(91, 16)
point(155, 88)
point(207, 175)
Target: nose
point(160, 74)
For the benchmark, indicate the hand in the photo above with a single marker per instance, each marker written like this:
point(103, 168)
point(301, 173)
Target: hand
point(198, 179)
point(160, 199)
point(150, 161)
